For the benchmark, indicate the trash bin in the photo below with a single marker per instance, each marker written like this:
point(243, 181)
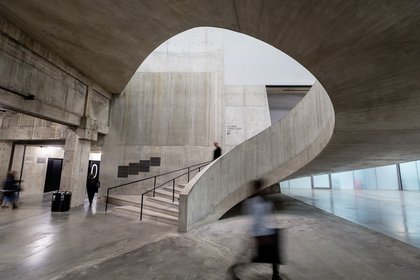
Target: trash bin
point(65, 199)
point(55, 202)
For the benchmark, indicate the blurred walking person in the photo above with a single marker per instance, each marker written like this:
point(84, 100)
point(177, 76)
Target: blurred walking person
point(10, 189)
point(266, 237)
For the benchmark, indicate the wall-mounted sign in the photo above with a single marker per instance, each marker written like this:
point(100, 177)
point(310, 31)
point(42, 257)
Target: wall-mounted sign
point(133, 168)
point(144, 165)
point(122, 171)
point(235, 125)
point(155, 161)
point(232, 128)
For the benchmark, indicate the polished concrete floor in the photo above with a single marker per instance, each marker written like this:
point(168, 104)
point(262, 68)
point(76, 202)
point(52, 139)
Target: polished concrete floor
point(394, 213)
point(89, 244)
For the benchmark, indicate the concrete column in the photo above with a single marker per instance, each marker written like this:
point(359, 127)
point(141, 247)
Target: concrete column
point(75, 167)
point(5, 152)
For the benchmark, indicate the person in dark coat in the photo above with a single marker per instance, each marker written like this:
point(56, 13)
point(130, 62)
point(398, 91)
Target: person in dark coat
point(92, 187)
point(217, 152)
point(10, 189)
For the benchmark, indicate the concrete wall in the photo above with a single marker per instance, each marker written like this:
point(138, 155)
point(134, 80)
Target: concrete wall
point(246, 113)
point(42, 138)
point(176, 106)
point(175, 116)
point(16, 126)
point(35, 81)
point(273, 154)
point(61, 93)
point(34, 168)
point(199, 50)
point(365, 54)
point(19, 127)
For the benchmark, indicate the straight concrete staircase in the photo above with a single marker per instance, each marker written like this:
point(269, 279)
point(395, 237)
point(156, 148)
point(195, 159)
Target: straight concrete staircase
point(159, 208)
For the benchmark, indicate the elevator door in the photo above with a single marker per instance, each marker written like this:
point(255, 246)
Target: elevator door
point(53, 176)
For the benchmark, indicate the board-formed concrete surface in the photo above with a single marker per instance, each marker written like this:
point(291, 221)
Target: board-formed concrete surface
point(275, 153)
point(85, 244)
point(366, 54)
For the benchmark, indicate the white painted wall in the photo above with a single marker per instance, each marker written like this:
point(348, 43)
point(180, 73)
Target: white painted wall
point(249, 61)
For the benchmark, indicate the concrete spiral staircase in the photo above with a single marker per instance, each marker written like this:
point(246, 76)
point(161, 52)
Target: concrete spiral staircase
point(159, 208)
point(274, 154)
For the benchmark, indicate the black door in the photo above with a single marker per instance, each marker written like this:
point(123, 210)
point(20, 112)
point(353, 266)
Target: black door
point(53, 177)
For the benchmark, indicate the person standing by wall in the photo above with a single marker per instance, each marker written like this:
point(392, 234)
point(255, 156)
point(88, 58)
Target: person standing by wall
point(217, 152)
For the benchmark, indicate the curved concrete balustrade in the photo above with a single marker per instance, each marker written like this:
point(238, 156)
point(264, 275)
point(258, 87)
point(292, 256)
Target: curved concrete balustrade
point(273, 154)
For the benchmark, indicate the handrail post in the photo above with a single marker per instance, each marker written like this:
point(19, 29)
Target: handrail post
point(188, 174)
point(141, 207)
point(173, 190)
point(106, 203)
point(154, 187)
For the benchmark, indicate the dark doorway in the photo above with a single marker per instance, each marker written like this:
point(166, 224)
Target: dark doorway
point(53, 177)
point(94, 166)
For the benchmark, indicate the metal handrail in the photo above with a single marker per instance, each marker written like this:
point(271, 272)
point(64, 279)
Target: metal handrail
point(152, 177)
point(173, 185)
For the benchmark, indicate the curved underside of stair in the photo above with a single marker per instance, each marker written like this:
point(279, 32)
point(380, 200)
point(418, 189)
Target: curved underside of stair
point(273, 154)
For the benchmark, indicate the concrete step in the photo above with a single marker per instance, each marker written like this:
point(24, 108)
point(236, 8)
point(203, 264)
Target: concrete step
point(169, 189)
point(166, 194)
point(160, 208)
point(165, 201)
point(147, 214)
point(158, 204)
point(182, 185)
point(122, 200)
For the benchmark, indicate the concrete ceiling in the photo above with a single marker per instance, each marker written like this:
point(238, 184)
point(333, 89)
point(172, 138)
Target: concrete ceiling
point(365, 53)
